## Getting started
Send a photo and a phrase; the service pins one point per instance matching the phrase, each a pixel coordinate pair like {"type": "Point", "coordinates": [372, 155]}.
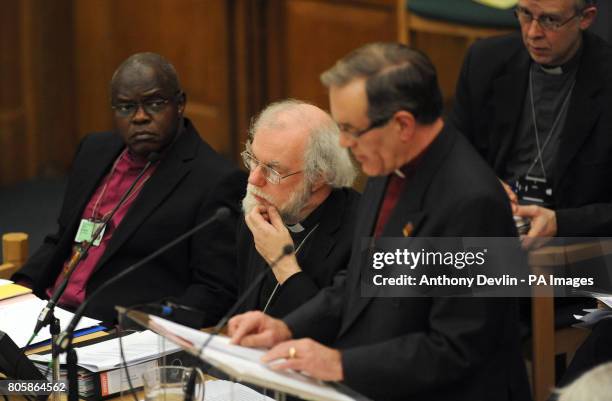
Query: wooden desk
{"type": "Point", "coordinates": [545, 340]}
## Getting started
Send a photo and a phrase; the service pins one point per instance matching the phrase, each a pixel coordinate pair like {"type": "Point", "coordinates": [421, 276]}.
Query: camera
{"type": "Point", "coordinates": [523, 224]}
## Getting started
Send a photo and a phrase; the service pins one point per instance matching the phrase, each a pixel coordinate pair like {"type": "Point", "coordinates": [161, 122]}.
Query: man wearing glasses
{"type": "Point", "coordinates": [145, 184]}
{"type": "Point", "coordinates": [298, 193]}
{"type": "Point", "coordinates": [538, 110]}
{"type": "Point", "coordinates": [425, 180]}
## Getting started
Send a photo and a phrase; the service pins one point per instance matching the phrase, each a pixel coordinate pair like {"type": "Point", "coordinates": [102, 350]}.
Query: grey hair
{"type": "Point", "coordinates": [594, 385]}
{"type": "Point", "coordinates": [323, 157]}
{"type": "Point", "coordinates": [397, 78]}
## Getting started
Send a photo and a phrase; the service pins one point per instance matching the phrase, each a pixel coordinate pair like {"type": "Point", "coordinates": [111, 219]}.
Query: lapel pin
{"type": "Point", "coordinates": [407, 230]}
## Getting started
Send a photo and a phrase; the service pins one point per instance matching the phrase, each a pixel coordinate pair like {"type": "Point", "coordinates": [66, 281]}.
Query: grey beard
{"type": "Point", "coordinates": [291, 212]}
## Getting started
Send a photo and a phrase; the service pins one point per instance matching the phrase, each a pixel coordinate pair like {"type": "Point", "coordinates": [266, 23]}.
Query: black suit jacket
{"type": "Point", "coordinates": [189, 184]}
{"type": "Point", "coordinates": [488, 105]}
{"type": "Point", "coordinates": [327, 254]}
{"type": "Point", "coordinates": [426, 348]}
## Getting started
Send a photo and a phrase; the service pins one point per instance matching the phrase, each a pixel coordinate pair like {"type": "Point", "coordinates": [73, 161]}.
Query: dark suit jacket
{"type": "Point", "coordinates": [489, 100]}
{"type": "Point", "coordinates": [189, 184]}
{"type": "Point", "coordinates": [426, 348]}
{"type": "Point", "coordinates": [327, 253]}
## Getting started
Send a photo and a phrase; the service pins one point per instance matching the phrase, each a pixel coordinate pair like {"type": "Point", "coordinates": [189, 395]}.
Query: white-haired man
{"type": "Point", "coordinates": [298, 193]}
{"type": "Point", "coordinates": [424, 180]}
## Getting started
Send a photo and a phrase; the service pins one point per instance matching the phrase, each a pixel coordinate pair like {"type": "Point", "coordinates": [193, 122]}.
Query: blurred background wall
{"type": "Point", "coordinates": [233, 57]}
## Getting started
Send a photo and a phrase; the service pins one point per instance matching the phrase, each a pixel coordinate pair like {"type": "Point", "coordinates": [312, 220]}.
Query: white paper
{"type": "Point", "coordinates": [223, 390]}
{"type": "Point", "coordinates": [606, 300]}
{"type": "Point", "coordinates": [590, 319]}
{"type": "Point", "coordinates": [197, 338]}
{"type": "Point", "coordinates": [5, 282]}
{"type": "Point", "coordinates": [245, 363]}
{"type": "Point", "coordinates": [18, 318]}
{"type": "Point", "coordinates": [106, 355]}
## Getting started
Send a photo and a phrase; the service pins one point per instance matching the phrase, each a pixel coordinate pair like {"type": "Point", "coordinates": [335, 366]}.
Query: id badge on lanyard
{"type": "Point", "coordinates": [534, 190]}
{"type": "Point", "coordinates": [86, 230]}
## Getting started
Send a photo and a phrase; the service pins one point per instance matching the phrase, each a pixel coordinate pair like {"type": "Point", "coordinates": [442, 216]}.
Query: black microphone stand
{"type": "Point", "coordinates": [190, 388]}
{"type": "Point", "coordinates": [54, 329]}
{"type": "Point", "coordinates": [287, 250]}
{"type": "Point", "coordinates": [47, 315]}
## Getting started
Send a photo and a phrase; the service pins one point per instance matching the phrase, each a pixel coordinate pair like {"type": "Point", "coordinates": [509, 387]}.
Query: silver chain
{"type": "Point", "coordinates": [535, 125]}
{"type": "Point", "coordinates": [297, 250]}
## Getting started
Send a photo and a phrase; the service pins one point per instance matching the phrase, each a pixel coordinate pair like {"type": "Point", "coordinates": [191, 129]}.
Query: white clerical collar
{"type": "Point", "coordinates": [558, 70]}
{"type": "Point", "coordinates": [563, 68]}
{"type": "Point", "coordinates": [295, 228]}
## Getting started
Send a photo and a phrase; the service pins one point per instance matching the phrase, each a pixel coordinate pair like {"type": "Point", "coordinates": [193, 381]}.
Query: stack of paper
{"type": "Point", "coordinates": [9, 290]}
{"type": "Point", "coordinates": [223, 390]}
{"type": "Point", "coordinates": [106, 355]}
{"type": "Point", "coordinates": [101, 373]}
{"type": "Point", "coordinates": [18, 319]}
{"type": "Point", "coordinates": [594, 316]}
{"type": "Point", "coordinates": [245, 363]}
{"type": "Point", "coordinates": [605, 300]}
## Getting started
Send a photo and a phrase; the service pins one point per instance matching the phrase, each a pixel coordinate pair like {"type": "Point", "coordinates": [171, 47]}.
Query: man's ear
{"type": "Point", "coordinates": [317, 184]}
{"type": "Point", "coordinates": [406, 122]}
{"type": "Point", "coordinates": [588, 17]}
{"type": "Point", "coordinates": [181, 102]}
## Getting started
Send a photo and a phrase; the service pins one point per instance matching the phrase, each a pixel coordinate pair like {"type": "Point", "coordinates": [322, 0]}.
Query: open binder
{"type": "Point", "coordinates": [241, 363]}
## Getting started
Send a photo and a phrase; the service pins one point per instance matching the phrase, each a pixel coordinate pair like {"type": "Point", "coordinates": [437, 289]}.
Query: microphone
{"type": "Point", "coordinates": [45, 314]}
{"type": "Point", "coordinates": [287, 250]}
{"type": "Point", "coordinates": [153, 157]}
{"type": "Point", "coordinates": [169, 309]}
{"type": "Point", "coordinates": [65, 337]}
{"type": "Point", "coordinates": [190, 387]}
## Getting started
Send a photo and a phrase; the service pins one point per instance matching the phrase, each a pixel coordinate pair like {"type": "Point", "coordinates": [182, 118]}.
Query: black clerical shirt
{"type": "Point", "coordinates": [550, 89]}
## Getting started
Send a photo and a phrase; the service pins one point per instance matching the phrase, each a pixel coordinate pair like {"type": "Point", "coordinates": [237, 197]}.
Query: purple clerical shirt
{"type": "Point", "coordinates": [105, 198]}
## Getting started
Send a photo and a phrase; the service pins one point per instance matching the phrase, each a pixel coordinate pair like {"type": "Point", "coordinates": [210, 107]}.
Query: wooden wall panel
{"type": "Point", "coordinates": [36, 133]}
{"type": "Point", "coordinates": [233, 57]}
{"type": "Point", "coordinates": [53, 86]}
{"type": "Point", "coordinates": [447, 54]}
{"type": "Point", "coordinates": [289, 43]}
{"type": "Point", "coordinates": [12, 116]}
{"type": "Point", "coordinates": [17, 143]}
{"type": "Point", "coordinates": [201, 47]}
{"type": "Point", "coordinates": [248, 66]}
{"type": "Point", "coordinates": [94, 62]}
{"type": "Point", "coordinates": [316, 34]}
{"type": "Point", "coordinates": [192, 34]}
{"type": "Point", "coordinates": [302, 39]}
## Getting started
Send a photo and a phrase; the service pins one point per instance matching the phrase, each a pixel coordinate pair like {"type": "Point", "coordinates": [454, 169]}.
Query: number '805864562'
{"type": "Point", "coordinates": [36, 387]}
